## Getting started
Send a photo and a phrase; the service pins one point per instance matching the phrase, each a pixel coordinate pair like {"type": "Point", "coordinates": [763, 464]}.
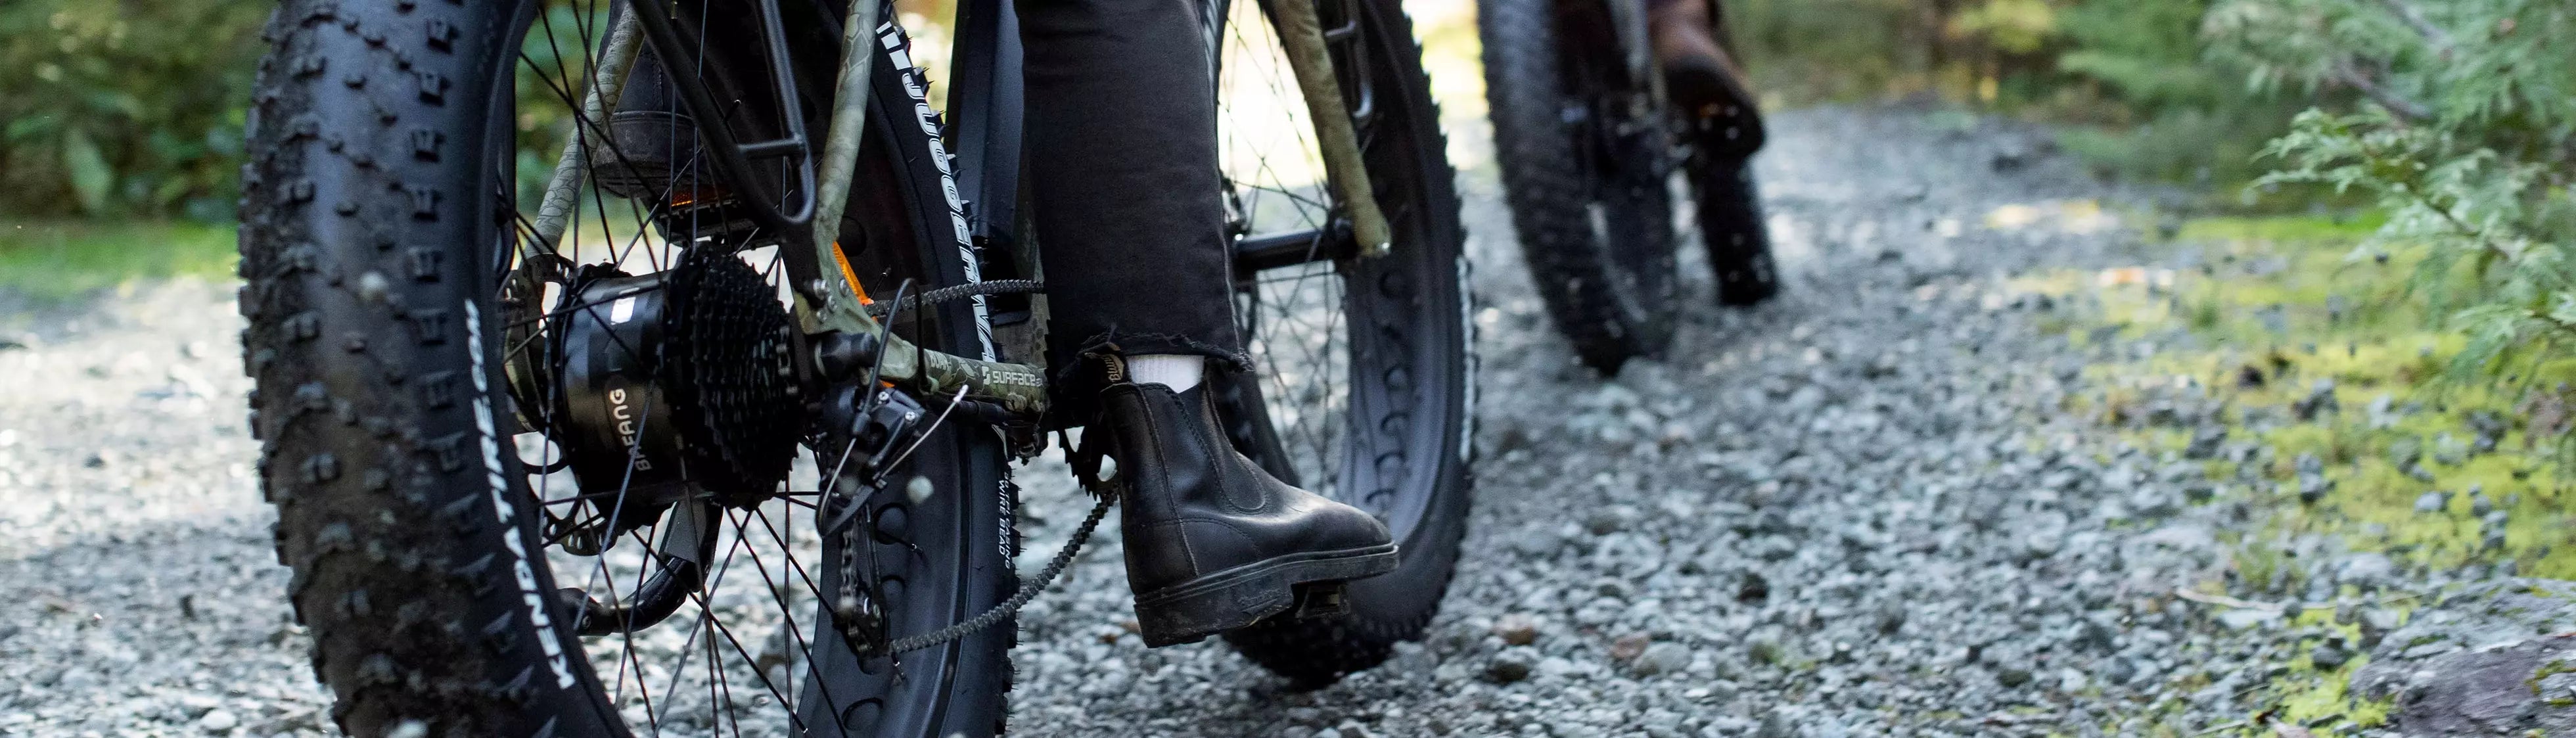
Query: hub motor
{"type": "Point", "coordinates": [673, 383]}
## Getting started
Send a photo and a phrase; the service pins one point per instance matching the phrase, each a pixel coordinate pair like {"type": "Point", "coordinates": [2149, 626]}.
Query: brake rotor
{"type": "Point", "coordinates": [524, 307]}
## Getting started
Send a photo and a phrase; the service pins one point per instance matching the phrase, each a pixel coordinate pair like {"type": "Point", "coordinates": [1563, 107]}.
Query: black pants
{"type": "Point", "coordinates": [1123, 173]}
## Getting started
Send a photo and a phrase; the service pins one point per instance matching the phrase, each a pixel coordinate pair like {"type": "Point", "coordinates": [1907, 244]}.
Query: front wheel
{"type": "Point", "coordinates": [1585, 156]}
{"type": "Point", "coordinates": [1365, 385]}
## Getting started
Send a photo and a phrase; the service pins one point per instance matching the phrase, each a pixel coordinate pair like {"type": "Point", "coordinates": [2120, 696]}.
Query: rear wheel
{"type": "Point", "coordinates": [1730, 222]}
{"type": "Point", "coordinates": [431, 496]}
{"type": "Point", "coordinates": [1364, 391]}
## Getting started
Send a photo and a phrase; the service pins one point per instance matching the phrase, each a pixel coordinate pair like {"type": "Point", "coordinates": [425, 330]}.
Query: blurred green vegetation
{"type": "Point", "coordinates": [124, 108]}
{"type": "Point", "coordinates": [2188, 91]}
{"type": "Point", "coordinates": [2135, 85]}
{"type": "Point", "coordinates": [2467, 140]}
{"type": "Point", "coordinates": [2453, 122]}
{"type": "Point", "coordinates": [134, 109]}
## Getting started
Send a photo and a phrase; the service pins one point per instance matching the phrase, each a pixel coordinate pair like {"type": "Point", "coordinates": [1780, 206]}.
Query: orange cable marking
{"type": "Point", "coordinates": [850, 274]}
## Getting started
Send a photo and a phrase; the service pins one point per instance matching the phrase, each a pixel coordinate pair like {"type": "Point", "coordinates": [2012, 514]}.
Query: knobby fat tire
{"type": "Point", "coordinates": [372, 340]}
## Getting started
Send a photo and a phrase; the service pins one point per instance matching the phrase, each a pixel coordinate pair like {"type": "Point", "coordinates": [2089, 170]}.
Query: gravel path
{"type": "Point", "coordinates": [1851, 512]}
{"type": "Point", "coordinates": [1856, 511]}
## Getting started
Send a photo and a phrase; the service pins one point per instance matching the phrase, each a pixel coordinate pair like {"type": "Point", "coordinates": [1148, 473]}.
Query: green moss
{"type": "Point", "coordinates": [2308, 695]}
{"type": "Point", "coordinates": [2284, 301]}
{"type": "Point", "coordinates": [2268, 309]}
{"type": "Point", "coordinates": [56, 261]}
{"type": "Point", "coordinates": [2553, 668]}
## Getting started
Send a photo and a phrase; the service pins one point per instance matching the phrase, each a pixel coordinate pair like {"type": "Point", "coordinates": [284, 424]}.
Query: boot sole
{"type": "Point", "coordinates": [1192, 610]}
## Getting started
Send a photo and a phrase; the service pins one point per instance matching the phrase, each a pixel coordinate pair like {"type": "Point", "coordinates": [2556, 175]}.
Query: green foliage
{"type": "Point", "coordinates": [123, 108]}
{"type": "Point", "coordinates": [2491, 229]}
{"type": "Point", "coordinates": [2467, 141]}
{"type": "Point", "coordinates": [2162, 109]}
{"type": "Point", "coordinates": [2134, 82]}
{"type": "Point", "coordinates": [1813, 50]}
{"type": "Point", "coordinates": [553, 74]}
{"type": "Point", "coordinates": [2504, 67]}
{"type": "Point", "coordinates": [135, 109]}
{"type": "Point", "coordinates": [2010, 26]}
{"type": "Point", "coordinates": [2142, 51]}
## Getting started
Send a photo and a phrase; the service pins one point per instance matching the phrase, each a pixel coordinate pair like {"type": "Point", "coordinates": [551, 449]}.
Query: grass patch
{"type": "Point", "coordinates": [2280, 229]}
{"type": "Point", "coordinates": [54, 261]}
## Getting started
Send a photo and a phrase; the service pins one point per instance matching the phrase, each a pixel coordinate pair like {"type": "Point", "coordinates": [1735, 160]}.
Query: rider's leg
{"type": "Point", "coordinates": [1123, 174]}
{"type": "Point", "coordinates": [1122, 165]}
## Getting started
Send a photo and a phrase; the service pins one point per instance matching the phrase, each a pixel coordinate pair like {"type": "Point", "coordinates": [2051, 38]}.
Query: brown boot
{"type": "Point", "coordinates": [1700, 79]}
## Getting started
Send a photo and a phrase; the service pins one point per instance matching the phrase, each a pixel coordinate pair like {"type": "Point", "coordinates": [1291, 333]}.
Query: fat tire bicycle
{"type": "Point", "coordinates": [1589, 151]}
{"type": "Point", "coordinates": [734, 457]}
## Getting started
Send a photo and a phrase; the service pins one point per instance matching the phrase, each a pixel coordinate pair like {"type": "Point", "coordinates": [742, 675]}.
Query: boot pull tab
{"type": "Point", "coordinates": [1113, 368]}
{"type": "Point", "coordinates": [1087, 458]}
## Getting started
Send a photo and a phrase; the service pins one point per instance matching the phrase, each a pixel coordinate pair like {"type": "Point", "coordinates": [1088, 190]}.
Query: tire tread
{"type": "Point", "coordinates": [1316, 652]}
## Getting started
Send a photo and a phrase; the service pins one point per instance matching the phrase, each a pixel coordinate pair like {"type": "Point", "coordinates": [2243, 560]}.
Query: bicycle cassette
{"type": "Point", "coordinates": [674, 381]}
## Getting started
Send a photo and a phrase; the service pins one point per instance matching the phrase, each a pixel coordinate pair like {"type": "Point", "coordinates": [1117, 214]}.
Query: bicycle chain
{"type": "Point", "coordinates": [945, 294]}
{"type": "Point", "coordinates": [1029, 591]}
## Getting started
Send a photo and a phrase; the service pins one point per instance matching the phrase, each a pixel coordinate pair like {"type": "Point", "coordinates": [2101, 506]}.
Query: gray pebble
{"type": "Point", "coordinates": [1777, 724]}
{"type": "Point", "coordinates": [1511, 665]}
{"type": "Point", "coordinates": [2012, 678]}
{"type": "Point", "coordinates": [1662, 658]}
{"type": "Point", "coordinates": [218, 721]}
{"type": "Point", "coordinates": [1891, 616]}
{"type": "Point", "coordinates": [2329, 655]}
{"type": "Point", "coordinates": [2432, 502]}
{"type": "Point", "coordinates": [2118, 671]}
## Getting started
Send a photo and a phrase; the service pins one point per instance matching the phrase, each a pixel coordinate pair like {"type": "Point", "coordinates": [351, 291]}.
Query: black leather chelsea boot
{"type": "Point", "coordinates": [1214, 542]}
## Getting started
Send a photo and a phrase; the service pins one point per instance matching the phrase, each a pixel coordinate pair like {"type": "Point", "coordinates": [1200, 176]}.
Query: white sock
{"type": "Point", "coordinates": [1177, 371]}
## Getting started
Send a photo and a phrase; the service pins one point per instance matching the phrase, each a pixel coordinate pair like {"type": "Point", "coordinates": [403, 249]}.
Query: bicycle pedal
{"type": "Point", "coordinates": [1322, 600]}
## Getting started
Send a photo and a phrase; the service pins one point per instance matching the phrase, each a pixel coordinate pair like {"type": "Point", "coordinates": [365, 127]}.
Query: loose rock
{"type": "Point", "coordinates": [1662, 658]}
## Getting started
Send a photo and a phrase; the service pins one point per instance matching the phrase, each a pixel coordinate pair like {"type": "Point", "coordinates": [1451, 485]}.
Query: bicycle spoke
{"type": "Point", "coordinates": [1290, 313]}
{"type": "Point", "coordinates": [657, 676]}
